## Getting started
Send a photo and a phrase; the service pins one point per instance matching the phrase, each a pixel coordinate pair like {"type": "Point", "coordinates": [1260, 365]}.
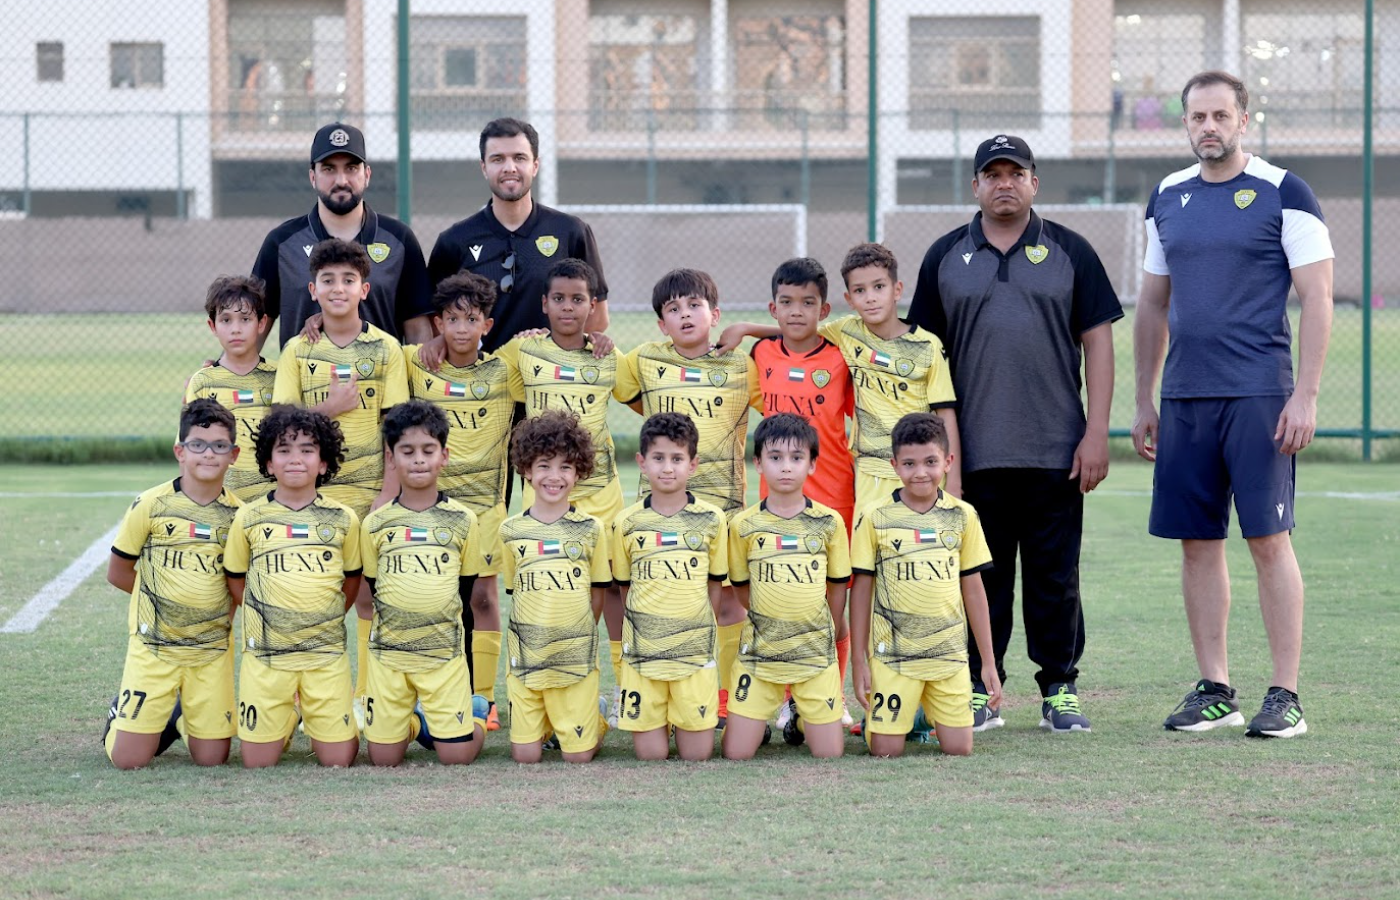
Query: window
{"type": "Point", "coordinates": [790, 71]}
{"type": "Point", "coordinates": [138, 65]}
{"type": "Point", "coordinates": [644, 71]}
{"type": "Point", "coordinates": [978, 72]}
{"type": "Point", "coordinates": [1303, 69]}
{"type": "Point", "coordinates": [287, 62]}
{"type": "Point", "coordinates": [48, 57]}
{"type": "Point", "coordinates": [1157, 46]}
{"type": "Point", "coordinates": [466, 69]}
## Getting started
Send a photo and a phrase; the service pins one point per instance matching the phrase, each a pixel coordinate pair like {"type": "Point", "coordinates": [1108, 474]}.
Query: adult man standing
{"type": "Point", "coordinates": [400, 296]}
{"type": "Point", "coordinates": [513, 240]}
{"type": "Point", "coordinates": [1015, 299]}
{"type": "Point", "coordinates": [1226, 239]}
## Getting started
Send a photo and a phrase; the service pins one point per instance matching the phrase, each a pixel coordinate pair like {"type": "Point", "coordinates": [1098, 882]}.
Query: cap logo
{"type": "Point", "coordinates": [999, 139]}
{"type": "Point", "coordinates": [339, 138]}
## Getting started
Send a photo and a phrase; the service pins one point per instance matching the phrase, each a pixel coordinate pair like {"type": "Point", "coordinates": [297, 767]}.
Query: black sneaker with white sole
{"type": "Point", "coordinates": [1281, 716]}
{"type": "Point", "coordinates": [984, 717]}
{"type": "Point", "coordinates": [1060, 712]}
{"type": "Point", "coordinates": [1209, 705]}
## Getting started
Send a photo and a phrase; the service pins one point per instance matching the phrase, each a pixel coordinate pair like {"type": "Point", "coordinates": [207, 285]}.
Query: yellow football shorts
{"type": "Point", "coordinates": [819, 698]}
{"type": "Point", "coordinates": [690, 704]}
{"type": "Point", "coordinates": [445, 694]}
{"type": "Point", "coordinates": [872, 490]}
{"type": "Point", "coordinates": [488, 529]}
{"type": "Point", "coordinates": [894, 697]}
{"type": "Point", "coordinates": [150, 686]}
{"type": "Point", "coordinates": [266, 711]}
{"type": "Point", "coordinates": [570, 712]}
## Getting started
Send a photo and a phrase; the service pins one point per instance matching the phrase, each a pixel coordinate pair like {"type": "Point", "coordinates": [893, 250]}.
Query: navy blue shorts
{"type": "Point", "coordinates": [1210, 451]}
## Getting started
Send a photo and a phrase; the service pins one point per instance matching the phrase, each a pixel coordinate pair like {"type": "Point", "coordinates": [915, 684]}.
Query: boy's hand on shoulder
{"type": "Point", "coordinates": [311, 331]}
{"type": "Point", "coordinates": [603, 345]}
{"type": "Point", "coordinates": [432, 353]}
{"type": "Point", "coordinates": [531, 333]}
{"type": "Point", "coordinates": [731, 337]}
{"type": "Point", "coordinates": [992, 681]}
{"type": "Point", "coordinates": [342, 396]}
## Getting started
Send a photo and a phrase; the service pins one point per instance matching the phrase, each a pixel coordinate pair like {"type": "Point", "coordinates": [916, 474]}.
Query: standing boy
{"type": "Point", "coordinates": [168, 555]}
{"type": "Point", "coordinates": [917, 589]}
{"type": "Point", "coordinates": [293, 561]}
{"type": "Point", "coordinates": [555, 569]}
{"type": "Point", "coordinates": [670, 556]}
{"type": "Point", "coordinates": [240, 378]}
{"type": "Point", "coordinates": [684, 374]}
{"type": "Point", "coordinates": [352, 374]}
{"type": "Point", "coordinates": [789, 562]}
{"type": "Point", "coordinates": [473, 388]}
{"type": "Point", "coordinates": [421, 554]}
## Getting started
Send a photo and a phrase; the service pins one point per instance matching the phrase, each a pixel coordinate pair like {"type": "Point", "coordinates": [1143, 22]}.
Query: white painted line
{"type": "Point", "coordinates": [45, 495]}
{"type": "Point", "coordinates": [33, 613]}
{"type": "Point", "coordinates": [1383, 496]}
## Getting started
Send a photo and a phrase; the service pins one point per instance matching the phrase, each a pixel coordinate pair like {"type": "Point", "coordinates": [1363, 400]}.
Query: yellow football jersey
{"type": "Point", "coordinates": [417, 559]}
{"type": "Point", "coordinates": [550, 571]}
{"type": "Point", "coordinates": [546, 376]}
{"type": "Point", "coordinates": [667, 564]}
{"type": "Point", "coordinates": [180, 605]}
{"type": "Point", "coordinates": [305, 373]}
{"type": "Point", "coordinates": [295, 562]}
{"type": "Point", "coordinates": [248, 397]}
{"type": "Point", "coordinates": [786, 564]}
{"type": "Point", "coordinates": [892, 379]}
{"type": "Point", "coordinates": [717, 393]}
{"type": "Point", "coordinates": [479, 407]}
{"type": "Point", "coordinates": [918, 625]}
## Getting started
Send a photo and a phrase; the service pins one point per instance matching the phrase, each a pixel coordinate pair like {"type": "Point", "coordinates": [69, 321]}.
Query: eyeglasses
{"type": "Point", "coordinates": [508, 281]}
{"type": "Point", "coordinates": [198, 446]}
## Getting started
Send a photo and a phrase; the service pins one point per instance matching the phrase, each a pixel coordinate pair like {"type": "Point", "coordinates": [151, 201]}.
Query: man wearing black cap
{"type": "Point", "coordinates": [1016, 299]}
{"type": "Point", "coordinates": [400, 296]}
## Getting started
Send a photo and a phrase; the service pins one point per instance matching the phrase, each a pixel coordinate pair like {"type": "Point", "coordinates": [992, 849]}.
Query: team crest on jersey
{"type": "Point", "coordinates": [589, 374]}
{"type": "Point", "coordinates": [547, 244]}
{"type": "Point", "coordinates": [821, 378]}
{"type": "Point", "coordinates": [694, 540]}
{"type": "Point", "coordinates": [573, 550]}
{"type": "Point", "coordinates": [718, 378]}
{"type": "Point", "coordinates": [813, 542]}
{"type": "Point", "coordinates": [949, 539]}
{"type": "Point", "coordinates": [904, 367]}
{"type": "Point", "coordinates": [365, 367]}
{"type": "Point", "coordinates": [442, 535]}
{"type": "Point", "coordinates": [378, 252]}
{"type": "Point", "coordinates": [1244, 198]}
{"type": "Point", "coordinates": [1037, 254]}
{"type": "Point", "coordinates": [326, 533]}
{"type": "Point", "coordinates": [480, 390]}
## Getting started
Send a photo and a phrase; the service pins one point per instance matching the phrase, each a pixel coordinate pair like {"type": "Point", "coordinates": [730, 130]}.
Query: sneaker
{"type": "Point", "coordinates": [1060, 710]}
{"type": "Point", "coordinates": [1209, 705]}
{"type": "Point", "coordinates": [550, 743]}
{"type": "Point", "coordinates": [767, 735]}
{"type": "Point", "coordinates": [846, 720]}
{"type": "Point", "coordinates": [786, 713]}
{"type": "Point", "coordinates": [493, 719]}
{"type": "Point", "coordinates": [171, 733]}
{"type": "Point", "coordinates": [358, 707]}
{"type": "Point", "coordinates": [792, 735]}
{"type": "Point", "coordinates": [922, 731]}
{"type": "Point", "coordinates": [111, 717]}
{"type": "Point", "coordinates": [984, 716]}
{"type": "Point", "coordinates": [1280, 716]}
{"type": "Point", "coordinates": [858, 728]}
{"type": "Point", "coordinates": [424, 737]}
{"type": "Point", "coordinates": [723, 709]}
{"type": "Point", "coordinates": [615, 710]}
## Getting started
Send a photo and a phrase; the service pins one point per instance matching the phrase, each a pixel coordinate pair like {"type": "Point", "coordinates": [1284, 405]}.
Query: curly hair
{"type": "Point", "coordinates": [572, 267]}
{"type": "Point", "coordinates": [785, 428]}
{"type": "Point", "coordinates": [919, 428]}
{"type": "Point", "coordinates": [335, 252]}
{"type": "Point", "coordinates": [415, 414]}
{"type": "Point", "coordinates": [235, 292]}
{"type": "Point", "coordinates": [675, 427]}
{"type": "Point", "coordinates": [203, 413]}
{"type": "Point", "coordinates": [286, 421]}
{"type": "Point", "coordinates": [553, 432]}
{"type": "Point", "coordinates": [466, 290]}
{"type": "Point", "coordinates": [862, 255]}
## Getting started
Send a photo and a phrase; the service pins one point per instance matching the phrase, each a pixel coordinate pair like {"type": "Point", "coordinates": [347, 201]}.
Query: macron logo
{"type": "Point", "coordinates": [476, 253]}
{"type": "Point", "coordinates": [307, 248]}
{"type": "Point", "coordinates": [1185, 199]}
{"type": "Point", "coordinates": [967, 259]}
{"type": "Point", "coordinates": [1279, 507]}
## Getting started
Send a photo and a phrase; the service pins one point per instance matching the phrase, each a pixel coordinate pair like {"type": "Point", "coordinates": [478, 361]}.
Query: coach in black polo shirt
{"type": "Point", "coordinates": [1015, 299]}
{"type": "Point", "coordinates": [513, 240]}
{"type": "Point", "coordinates": [400, 296]}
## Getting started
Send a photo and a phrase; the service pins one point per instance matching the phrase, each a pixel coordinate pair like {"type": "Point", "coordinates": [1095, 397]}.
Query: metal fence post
{"type": "Point", "coordinates": [1367, 185]}
{"type": "Point", "coordinates": [181, 211]}
{"type": "Point", "coordinates": [405, 173]}
{"type": "Point", "coordinates": [872, 131]}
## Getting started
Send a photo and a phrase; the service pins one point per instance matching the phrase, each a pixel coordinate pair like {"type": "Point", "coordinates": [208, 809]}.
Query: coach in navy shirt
{"type": "Point", "coordinates": [1226, 239]}
{"type": "Point", "coordinates": [1018, 302]}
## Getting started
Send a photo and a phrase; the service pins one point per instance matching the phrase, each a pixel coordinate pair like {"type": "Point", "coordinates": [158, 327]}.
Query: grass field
{"type": "Point", "coordinates": [1128, 810]}
{"type": "Point", "coordinates": [106, 375]}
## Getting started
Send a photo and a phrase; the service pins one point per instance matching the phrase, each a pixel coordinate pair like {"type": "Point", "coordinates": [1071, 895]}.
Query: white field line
{"type": "Point", "coordinates": [1382, 496]}
{"type": "Point", "coordinates": [46, 495]}
{"type": "Point", "coordinates": [33, 613]}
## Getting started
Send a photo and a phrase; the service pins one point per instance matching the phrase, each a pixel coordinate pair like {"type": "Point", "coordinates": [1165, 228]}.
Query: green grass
{"type": "Point", "coordinates": [1126, 811]}
{"type": "Point", "coordinates": [107, 375]}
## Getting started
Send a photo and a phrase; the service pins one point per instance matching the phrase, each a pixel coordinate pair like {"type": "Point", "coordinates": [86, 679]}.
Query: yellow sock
{"type": "Point", "coordinates": [486, 656]}
{"type": "Point", "coordinates": [362, 656]}
{"type": "Point", "coordinates": [615, 651]}
{"type": "Point", "coordinates": [728, 652]}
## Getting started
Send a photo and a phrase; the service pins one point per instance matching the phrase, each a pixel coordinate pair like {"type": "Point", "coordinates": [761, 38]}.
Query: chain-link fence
{"type": "Point", "coordinates": [145, 150]}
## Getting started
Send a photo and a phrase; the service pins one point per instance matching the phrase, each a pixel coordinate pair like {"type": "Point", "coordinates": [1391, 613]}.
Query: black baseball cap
{"type": "Point", "coordinates": [1005, 146]}
{"type": "Point", "coordinates": [338, 137]}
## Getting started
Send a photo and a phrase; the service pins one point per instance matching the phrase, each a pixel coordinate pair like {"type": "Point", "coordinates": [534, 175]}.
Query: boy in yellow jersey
{"type": "Point", "coordinates": [670, 556]}
{"type": "Point", "coordinates": [896, 369]}
{"type": "Point", "coordinates": [917, 589]}
{"type": "Point", "coordinates": [473, 388]}
{"type": "Point", "coordinates": [790, 563]}
{"type": "Point", "coordinates": [684, 374]}
{"type": "Point", "coordinates": [555, 568]}
{"type": "Point", "coordinates": [352, 373]}
{"type": "Point", "coordinates": [168, 555]}
{"type": "Point", "coordinates": [564, 369]}
{"type": "Point", "coordinates": [293, 562]}
{"type": "Point", "coordinates": [421, 553]}
{"type": "Point", "coordinates": [239, 379]}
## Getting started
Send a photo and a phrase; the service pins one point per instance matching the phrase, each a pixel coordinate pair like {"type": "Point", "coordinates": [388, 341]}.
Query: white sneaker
{"type": "Point", "coordinates": [785, 714]}
{"type": "Point", "coordinates": [846, 720]}
{"type": "Point", "coordinates": [615, 710]}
